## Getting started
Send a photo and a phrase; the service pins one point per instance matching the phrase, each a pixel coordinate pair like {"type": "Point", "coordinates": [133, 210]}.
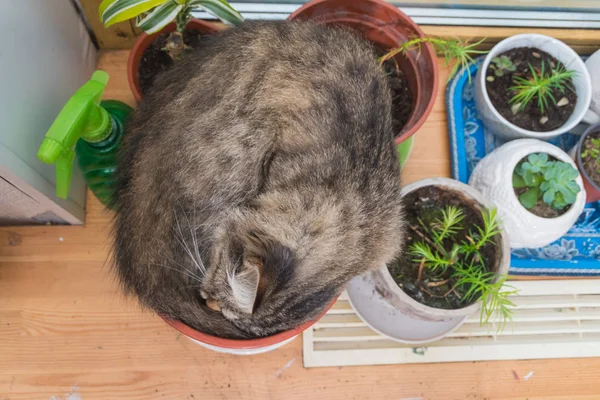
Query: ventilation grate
{"type": "Point", "coordinates": [552, 319]}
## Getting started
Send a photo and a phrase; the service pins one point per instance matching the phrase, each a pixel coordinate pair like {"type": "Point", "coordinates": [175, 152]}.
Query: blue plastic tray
{"type": "Point", "coordinates": [576, 253]}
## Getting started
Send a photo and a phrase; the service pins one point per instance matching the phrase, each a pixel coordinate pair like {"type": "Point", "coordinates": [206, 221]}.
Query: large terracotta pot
{"type": "Point", "coordinates": [144, 40]}
{"type": "Point", "coordinates": [385, 26]}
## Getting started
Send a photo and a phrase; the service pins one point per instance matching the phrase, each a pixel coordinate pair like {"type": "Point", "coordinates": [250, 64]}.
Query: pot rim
{"type": "Point", "coordinates": [591, 129]}
{"type": "Point", "coordinates": [244, 344]}
{"type": "Point", "coordinates": [503, 264]}
{"type": "Point", "coordinates": [392, 34]}
{"type": "Point", "coordinates": [143, 42]}
{"type": "Point", "coordinates": [582, 71]}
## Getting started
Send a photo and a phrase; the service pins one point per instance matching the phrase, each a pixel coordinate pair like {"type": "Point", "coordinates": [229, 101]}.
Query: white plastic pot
{"type": "Point", "coordinates": [493, 178]}
{"type": "Point", "coordinates": [397, 298]}
{"type": "Point", "coordinates": [506, 130]}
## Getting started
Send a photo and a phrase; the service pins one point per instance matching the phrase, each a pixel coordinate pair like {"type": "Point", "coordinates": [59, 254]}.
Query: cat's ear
{"type": "Point", "coordinates": [244, 285]}
{"type": "Point", "coordinates": [267, 267]}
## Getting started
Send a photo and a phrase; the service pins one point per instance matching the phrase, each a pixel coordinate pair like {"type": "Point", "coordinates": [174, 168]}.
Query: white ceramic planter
{"type": "Point", "coordinates": [493, 178]}
{"type": "Point", "coordinates": [506, 130]}
{"type": "Point", "coordinates": [402, 302]}
{"type": "Point", "coordinates": [593, 66]}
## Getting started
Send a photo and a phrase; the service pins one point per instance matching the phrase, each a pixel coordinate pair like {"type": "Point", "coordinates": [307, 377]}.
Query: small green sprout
{"type": "Point", "coordinates": [593, 152]}
{"type": "Point", "coordinates": [501, 65]}
{"type": "Point", "coordinates": [553, 182]}
{"type": "Point", "coordinates": [450, 49]}
{"type": "Point", "coordinates": [460, 261]}
{"type": "Point", "coordinates": [540, 85]}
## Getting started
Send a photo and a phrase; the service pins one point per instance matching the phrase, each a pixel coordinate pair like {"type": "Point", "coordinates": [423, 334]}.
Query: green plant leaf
{"type": "Point", "coordinates": [573, 187]}
{"type": "Point", "coordinates": [568, 196]}
{"type": "Point", "coordinates": [559, 201]}
{"type": "Point", "coordinates": [545, 186]}
{"type": "Point", "coordinates": [540, 85]}
{"type": "Point", "coordinates": [536, 162]}
{"type": "Point", "coordinates": [559, 187]}
{"type": "Point", "coordinates": [549, 196]}
{"type": "Point", "coordinates": [570, 173]}
{"type": "Point", "coordinates": [529, 198]}
{"type": "Point", "coordinates": [160, 17]}
{"type": "Point", "coordinates": [517, 181]}
{"type": "Point", "coordinates": [449, 224]}
{"type": "Point", "coordinates": [220, 9]}
{"type": "Point", "coordinates": [458, 50]}
{"type": "Point", "coordinates": [532, 179]}
{"type": "Point", "coordinates": [113, 11]}
{"type": "Point", "coordinates": [103, 5]}
{"type": "Point", "coordinates": [464, 263]}
{"type": "Point", "coordinates": [502, 64]}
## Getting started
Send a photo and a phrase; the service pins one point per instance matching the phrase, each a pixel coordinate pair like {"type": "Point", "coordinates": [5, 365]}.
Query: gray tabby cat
{"type": "Point", "coordinates": [257, 178]}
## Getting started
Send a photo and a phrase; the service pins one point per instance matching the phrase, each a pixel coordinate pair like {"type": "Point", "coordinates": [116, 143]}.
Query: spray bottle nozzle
{"type": "Point", "coordinates": [82, 117]}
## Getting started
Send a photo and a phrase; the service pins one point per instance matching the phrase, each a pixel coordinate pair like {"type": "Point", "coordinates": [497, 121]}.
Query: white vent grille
{"type": "Point", "coordinates": [552, 319]}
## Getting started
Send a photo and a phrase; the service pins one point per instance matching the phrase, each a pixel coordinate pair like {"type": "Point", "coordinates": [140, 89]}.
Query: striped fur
{"type": "Point", "coordinates": [259, 174]}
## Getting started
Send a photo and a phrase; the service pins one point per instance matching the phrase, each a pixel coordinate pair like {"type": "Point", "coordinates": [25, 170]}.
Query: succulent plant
{"type": "Point", "coordinates": [553, 182]}
{"type": "Point", "coordinates": [559, 188]}
{"type": "Point", "coordinates": [501, 65]}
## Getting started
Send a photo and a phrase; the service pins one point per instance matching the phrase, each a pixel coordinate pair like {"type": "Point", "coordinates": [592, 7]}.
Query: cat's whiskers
{"type": "Point", "coordinates": [184, 268]}
{"type": "Point", "coordinates": [184, 272]}
{"type": "Point", "coordinates": [195, 241]}
{"type": "Point", "coordinates": [181, 239]}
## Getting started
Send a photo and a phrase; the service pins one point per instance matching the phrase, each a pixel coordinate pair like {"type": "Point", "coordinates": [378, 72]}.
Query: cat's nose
{"type": "Point", "coordinates": [213, 305]}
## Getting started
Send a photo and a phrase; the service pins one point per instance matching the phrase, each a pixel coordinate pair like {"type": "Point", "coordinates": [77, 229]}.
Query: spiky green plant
{"type": "Point", "coordinates": [446, 254]}
{"type": "Point", "coordinates": [553, 182]}
{"type": "Point", "coordinates": [540, 85]}
{"type": "Point", "coordinates": [450, 49]}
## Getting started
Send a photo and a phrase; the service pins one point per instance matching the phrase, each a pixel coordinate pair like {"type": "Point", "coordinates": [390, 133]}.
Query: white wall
{"type": "Point", "coordinates": [45, 56]}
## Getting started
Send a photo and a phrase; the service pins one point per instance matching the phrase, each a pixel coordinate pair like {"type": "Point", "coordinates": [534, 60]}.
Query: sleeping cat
{"type": "Point", "coordinates": [259, 175]}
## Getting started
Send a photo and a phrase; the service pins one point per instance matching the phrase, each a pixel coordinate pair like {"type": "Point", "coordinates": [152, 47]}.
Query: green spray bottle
{"type": "Point", "coordinates": [100, 125]}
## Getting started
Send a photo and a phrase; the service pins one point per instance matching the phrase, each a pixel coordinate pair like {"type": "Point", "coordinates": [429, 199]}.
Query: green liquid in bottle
{"type": "Point", "coordinates": [98, 161]}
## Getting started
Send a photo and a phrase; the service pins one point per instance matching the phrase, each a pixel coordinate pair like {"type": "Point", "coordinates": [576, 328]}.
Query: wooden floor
{"type": "Point", "coordinates": [66, 329]}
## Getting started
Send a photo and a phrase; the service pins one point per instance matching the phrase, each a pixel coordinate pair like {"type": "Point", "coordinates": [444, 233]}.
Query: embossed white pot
{"type": "Point", "coordinates": [395, 296]}
{"type": "Point", "coordinates": [493, 178]}
{"type": "Point", "coordinates": [506, 130]}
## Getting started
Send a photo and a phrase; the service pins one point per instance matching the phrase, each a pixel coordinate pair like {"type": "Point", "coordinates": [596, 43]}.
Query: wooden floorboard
{"type": "Point", "coordinates": [65, 327]}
